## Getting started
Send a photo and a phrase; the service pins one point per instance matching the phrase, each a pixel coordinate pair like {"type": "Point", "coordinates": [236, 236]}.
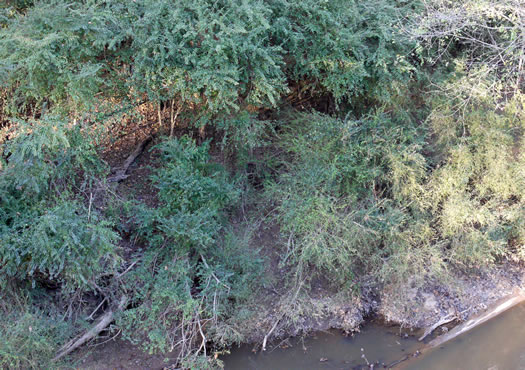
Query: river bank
{"type": "Point", "coordinates": [412, 309]}
{"type": "Point", "coordinates": [410, 306]}
{"type": "Point", "coordinates": [498, 343]}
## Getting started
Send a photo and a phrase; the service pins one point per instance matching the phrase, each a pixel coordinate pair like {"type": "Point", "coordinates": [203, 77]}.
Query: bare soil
{"type": "Point", "coordinates": [118, 354]}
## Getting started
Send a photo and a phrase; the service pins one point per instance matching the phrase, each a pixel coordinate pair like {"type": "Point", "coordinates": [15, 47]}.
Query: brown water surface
{"type": "Point", "coordinates": [327, 350]}
{"type": "Point", "coordinates": [498, 344]}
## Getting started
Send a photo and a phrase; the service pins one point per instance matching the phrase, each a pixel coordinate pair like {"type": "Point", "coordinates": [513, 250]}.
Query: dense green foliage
{"type": "Point", "coordinates": [311, 142]}
{"type": "Point", "coordinates": [30, 335]}
{"type": "Point", "coordinates": [359, 197]}
{"type": "Point", "coordinates": [341, 198]}
{"type": "Point", "coordinates": [221, 54]}
{"type": "Point", "coordinates": [45, 231]}
{"type": "Point", "coordinates": [188, 271]}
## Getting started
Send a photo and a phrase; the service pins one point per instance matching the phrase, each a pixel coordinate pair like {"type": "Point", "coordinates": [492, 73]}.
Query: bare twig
{"type": "Point", "coordinates": [127, 270]}
{"type": "Point", "coordinates": [213, 274]}
{"type": "Point", "coordinates": [159, 112]}
{"type": "Point", "coordinates": [203, 344]}
{"type": "Point", "coordinates": [90, 204]}
{"type": "Point", "coordinates": [173, 117]}
{"type": "Point", "coordinates": [96, 309]}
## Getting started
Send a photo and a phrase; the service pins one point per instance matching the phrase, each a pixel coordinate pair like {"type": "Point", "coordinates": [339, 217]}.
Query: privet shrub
{"type": "Point", "coordinates": [338, 202]}
{"type": "Point", "coordinates": [189, 275]}
{"type": "Point", "coordinates": [217, 55]}
{"type": "Point", "coordinates": [44, 231]}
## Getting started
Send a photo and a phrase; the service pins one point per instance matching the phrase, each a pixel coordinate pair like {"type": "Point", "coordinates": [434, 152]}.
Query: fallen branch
{"type": "Point", "coordinates": [127, 270]}
{"type": "Point", "coordinates": [120, 174]}
{"type": "Point", "coordinates": [501, 306]}
{"type": "Point", "coordinates": [90, 317]}
{"type": "Point", "coordinates": [102, 323]}
{"type": "Point", "coordinates": [442, 321]}
{"type": "Point", "coordinates": [269, 333]}
{"type": "Point", "coordinates": [280, 318]}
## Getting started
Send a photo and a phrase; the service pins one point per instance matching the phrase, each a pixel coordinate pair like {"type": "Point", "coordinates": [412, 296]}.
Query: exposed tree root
{"type": "Point", "coordinates": [101, 324]}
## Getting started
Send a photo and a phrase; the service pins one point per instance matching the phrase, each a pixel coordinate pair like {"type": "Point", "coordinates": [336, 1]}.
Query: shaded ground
{"type": "Point", "coordinates": [119, 354]}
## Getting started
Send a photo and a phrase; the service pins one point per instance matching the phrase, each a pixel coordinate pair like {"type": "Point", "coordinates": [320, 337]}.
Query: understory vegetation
{"type": "Point", "coordinates": [379, 141]}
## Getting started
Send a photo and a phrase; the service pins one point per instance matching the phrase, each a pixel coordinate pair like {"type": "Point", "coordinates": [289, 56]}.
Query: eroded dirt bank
{"type": "Point", "coordinates": [410, 306]}
{"type": "Point", "coordinates": [415, 308]}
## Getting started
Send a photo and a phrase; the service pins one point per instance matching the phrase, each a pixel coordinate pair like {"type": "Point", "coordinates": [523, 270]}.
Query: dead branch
{"type": "Point", "coordinates": [213, 274]}
{"type": "Point", "coordinates": [280, 318]}
{"type": "Point", "coordinates": [270, 333]}
{"type": "Point", "coordinates": [120, 174]}
{"type": "Point", "coordinates": [203, 343]}
{"type": "Point", "coordinates": [102, 323]}
{"type": "Point", "coordinates": [442, 321]}
{"type": "Point", "coordinates": [96, 309]}
{"type": "Point", "coordinates": [127, 270]}
{"type": "Point", "coordinates": [174, 117]}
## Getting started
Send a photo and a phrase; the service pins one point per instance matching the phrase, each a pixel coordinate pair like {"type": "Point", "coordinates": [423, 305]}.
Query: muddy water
{"type": "Point", "coordinates": [327, 350]}
{"type": "Point", "coordinates": [498, 344]}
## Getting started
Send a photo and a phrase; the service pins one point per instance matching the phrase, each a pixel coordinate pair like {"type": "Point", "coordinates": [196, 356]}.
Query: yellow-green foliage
{"type": "Point", "coordinates": [476, 192]}
{"type": "Point", "coordinates": [349, 197]}
{"type": "Point", "coordinates": [359, 197]}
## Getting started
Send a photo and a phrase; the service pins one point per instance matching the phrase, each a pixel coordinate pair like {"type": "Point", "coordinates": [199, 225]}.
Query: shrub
{"type": "Point", "coordinates": [485, 34]}
{"type": "Point", "coordinates": [348, 49]}
{"type": "Point", "coordinates": [31, 330]}
{"type": "Point", "coordinates": [229, 53]}
{"type": "Point", "coordinates": [29, 340]}
{"type": "Point", "coordinates": [476, 192]}
{"type": "Point", "coordinates": [211, 52]}
{"type": "Point", "coordinates": [51, 54]}
{"type": "Point", "coordinates": [341, 202]}
{"type": "Point", "coordinates": [220, 56]}
{"type": "Point", "coordinates": [62, 242]}
{"type": "Point", "coordinates": [44, 231]}
{"type": "Point", "coordinates": [188, 275]}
